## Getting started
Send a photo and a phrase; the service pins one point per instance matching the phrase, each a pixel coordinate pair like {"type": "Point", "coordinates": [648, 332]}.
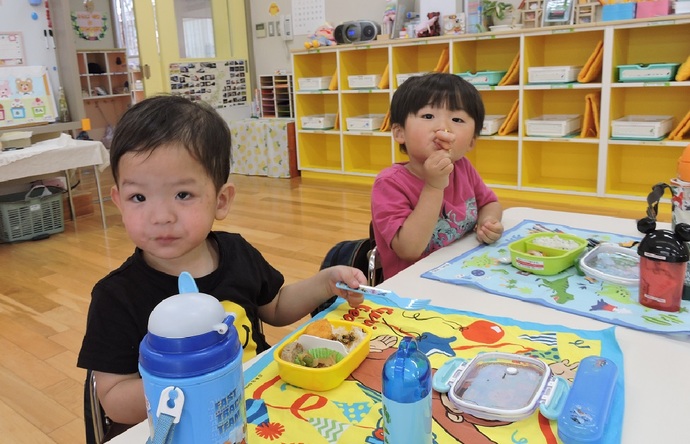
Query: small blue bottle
{"type": "Point", "coordinates": [407, 396]}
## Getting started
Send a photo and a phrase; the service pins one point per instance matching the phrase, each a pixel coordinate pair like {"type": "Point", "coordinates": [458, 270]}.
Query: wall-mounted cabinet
{"type": "Point", "coordinates": [596, 169]}
{"type": "Point", "coordinates": [105, 87]}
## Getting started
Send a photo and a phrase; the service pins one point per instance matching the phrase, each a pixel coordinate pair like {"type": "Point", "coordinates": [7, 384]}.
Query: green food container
{"type": "Point", "coordinates": [528, 255]}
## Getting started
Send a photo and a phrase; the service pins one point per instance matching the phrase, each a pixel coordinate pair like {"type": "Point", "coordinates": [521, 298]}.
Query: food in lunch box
{"type": "Point", "coordinates": [556, 242]}
{"type": "Point", "coordinates": [322, 356]}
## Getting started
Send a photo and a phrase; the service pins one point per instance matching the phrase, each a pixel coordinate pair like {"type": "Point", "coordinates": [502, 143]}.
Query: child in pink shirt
{"type": "Point", "coordinates": [437, 197]}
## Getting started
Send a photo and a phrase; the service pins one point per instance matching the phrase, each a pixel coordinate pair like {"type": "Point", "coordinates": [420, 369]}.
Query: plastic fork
{"type": "Point", "coordinates": [406, 303]}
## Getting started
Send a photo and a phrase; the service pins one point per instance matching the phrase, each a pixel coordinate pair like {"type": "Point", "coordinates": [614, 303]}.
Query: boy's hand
{"type": "Point", "coordinates": [490, 230]}
{"type": "Point", "coordinates": [353, 277]}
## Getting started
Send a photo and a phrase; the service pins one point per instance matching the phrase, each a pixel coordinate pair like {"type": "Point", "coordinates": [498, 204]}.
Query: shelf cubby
{"type": "Point", "coordinates": [560, 166]}
{"type": "Point", "coordinates": [634, 168]}
{"type": "Point", "coordinates": [484, 156]}
{"type": "Point", "coordinates": [367, 155]}
{"type": "Point", "coordinates": [319, 151]}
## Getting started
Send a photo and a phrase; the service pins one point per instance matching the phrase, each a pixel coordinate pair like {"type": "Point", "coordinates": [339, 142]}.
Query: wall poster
{"type": "Point", "coordinates": [11, 49]}
{"type": "Point", "coordinates": [25, 96]}
{"type": "Point", "coordinates": [221, 84]}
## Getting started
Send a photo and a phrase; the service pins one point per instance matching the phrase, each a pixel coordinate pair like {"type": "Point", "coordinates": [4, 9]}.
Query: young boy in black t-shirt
{"type": "Point", "coordinates": [170, 159]}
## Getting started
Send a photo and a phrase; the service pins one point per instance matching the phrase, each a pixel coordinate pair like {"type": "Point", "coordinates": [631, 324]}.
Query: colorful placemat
{"type": "Point", "coordinates": [567, 291]}
{"type": "Point", "coordinates": [351, 413]}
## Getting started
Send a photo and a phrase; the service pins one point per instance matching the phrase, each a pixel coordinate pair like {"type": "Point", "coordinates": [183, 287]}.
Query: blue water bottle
{"type": "Point", "coordinates": [407, 396]}
{"type": "Point", "coordinates": [191, 364]}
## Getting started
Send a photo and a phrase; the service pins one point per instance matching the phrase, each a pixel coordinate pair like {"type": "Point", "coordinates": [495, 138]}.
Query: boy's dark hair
{"type": "Point", "coordinates": [175, 120]}
{"type": "Point", "coordinates": [438, 89]}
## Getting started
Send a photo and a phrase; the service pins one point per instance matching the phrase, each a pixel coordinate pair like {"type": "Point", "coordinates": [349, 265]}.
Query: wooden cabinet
{"type": "Point", "coordinates": [595, 171]}
{"type": "Point", "coordinates": [105, 87]}
{"type": "Point", "coordinates": [275, 92]}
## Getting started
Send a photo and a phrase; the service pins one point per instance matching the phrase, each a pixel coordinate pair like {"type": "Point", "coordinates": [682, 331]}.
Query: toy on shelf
{"type": "Point", "coordinates": [323, 36]}
{"type": "Point", "coordinates": [388, 18]}
{"type": "Point", "coordinates": [531, 11]}
{"type": "Point", "coordinates": [429, 27]}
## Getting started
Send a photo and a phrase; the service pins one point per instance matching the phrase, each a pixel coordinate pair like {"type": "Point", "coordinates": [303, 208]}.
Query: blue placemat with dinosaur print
{"type": "Point", "coordinates": [567, 291]}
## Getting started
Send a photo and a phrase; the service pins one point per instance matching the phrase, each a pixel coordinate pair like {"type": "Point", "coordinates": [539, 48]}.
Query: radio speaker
{"type": "Point", "coordinates": [356, 31]}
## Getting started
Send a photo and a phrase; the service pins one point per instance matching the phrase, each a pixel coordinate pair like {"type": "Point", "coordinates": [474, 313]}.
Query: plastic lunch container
{"type": "Point", "coordinates": [551, 260]}
{"type": "Point", "coordinates": [321, 379]}
{"type": "Point", "coordinates": [612, 263]}
{"type": "Point", "coordinates": [502, 386]}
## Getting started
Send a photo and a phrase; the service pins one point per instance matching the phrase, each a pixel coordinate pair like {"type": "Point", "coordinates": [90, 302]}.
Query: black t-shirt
{"type": "Point", "coordinates": [122, 302]}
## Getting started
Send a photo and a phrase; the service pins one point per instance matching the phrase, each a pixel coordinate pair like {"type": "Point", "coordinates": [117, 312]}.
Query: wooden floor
{"type": "Point", "coordinates": [45, 288]}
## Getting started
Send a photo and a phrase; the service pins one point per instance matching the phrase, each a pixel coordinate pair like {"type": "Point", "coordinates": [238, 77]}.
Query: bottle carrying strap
{"type": "Point", "coordinates": [169, 412]}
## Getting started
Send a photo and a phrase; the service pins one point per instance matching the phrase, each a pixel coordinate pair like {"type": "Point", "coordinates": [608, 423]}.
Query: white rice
{"type": "Point", "coordinates": [357, 332]}
{"type": "Point", "coordinates": [555, 242]}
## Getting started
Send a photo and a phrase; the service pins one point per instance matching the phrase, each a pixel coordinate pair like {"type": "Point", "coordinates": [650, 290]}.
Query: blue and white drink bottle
{"type": "Point", "coordinates": [407, 396]}
{"type": "Point", "coordinates": [191, 364]}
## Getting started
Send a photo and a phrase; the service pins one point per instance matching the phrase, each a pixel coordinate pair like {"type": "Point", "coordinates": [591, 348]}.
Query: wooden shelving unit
{"type": "Point", "coordinates": [275, 92]}
{"type": "Point", "coordinates": [105, 87]}
{"type": "Point", "coordinates": [593, 170]}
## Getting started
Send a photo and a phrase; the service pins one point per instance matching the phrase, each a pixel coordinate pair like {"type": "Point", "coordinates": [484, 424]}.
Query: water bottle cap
{"type": "Point", "coordinates": [187, 314]}
{"type": "Point", "coordinates": [407, 373]}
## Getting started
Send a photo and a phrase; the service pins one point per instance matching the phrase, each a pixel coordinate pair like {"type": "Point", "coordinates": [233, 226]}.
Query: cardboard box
{"type": "Point", "coordinates": [15, 139]}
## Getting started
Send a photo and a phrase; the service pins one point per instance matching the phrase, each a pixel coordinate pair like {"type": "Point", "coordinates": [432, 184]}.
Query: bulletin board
{"type": "Point", "coordinates": [26, 97]}
{"type": "Point", "coordinates": [12, 49]}
{"type": "Point", "coordinates": [221, 84]}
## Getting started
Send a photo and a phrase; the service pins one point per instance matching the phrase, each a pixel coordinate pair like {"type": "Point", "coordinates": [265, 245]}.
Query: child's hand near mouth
{"type": "Point", "coordinates": [444, 139]}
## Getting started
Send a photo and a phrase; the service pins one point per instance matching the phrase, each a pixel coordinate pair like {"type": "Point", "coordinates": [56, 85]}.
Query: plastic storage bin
{"type": "Point", "coordinates": [641, 127]}
{"type": "Point", "coordinates": [365, 122]}
{"type": "Point", "coordinates": [618, 11]}
{"type": "Point", "coordinates": [314, 83]}
{"type": "Point", "coordinates": [483, 77]}
{"type": "Point", "coordinates": [404, 76]}
{"type": "Point", "coordinates": [31, 215]}
{"type": "Point", "coordinates": [554, 125]}
{"type": "Point", "coordinates": [367, 81]}
{"type": "Point", "coordinates": [653, 72]}
{"type": "Point", "coordinates": [492, 123]}
{"type": "Point", "coordinates": [553, 74]}
{"type": "Point", "coordinates": [318, 121]}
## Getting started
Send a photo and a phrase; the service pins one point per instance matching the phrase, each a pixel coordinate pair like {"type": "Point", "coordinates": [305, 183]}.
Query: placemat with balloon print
{"type": "Point", "coordinates": [567, 291]}
{"type": "Point", "coordinates": [351, 413]}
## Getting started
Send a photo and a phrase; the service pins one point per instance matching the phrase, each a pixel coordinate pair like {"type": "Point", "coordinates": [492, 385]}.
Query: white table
{"type": "Point", "coordinates": [657, 367]}
{"type": "Point", "coordinates": [60, 154]}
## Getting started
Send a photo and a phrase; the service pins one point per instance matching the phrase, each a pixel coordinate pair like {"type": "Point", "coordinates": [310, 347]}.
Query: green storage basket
{"type": "Point", "coordinates": [33, 215]}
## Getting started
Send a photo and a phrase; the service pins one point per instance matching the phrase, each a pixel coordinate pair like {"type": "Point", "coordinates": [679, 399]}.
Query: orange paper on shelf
{"type": "Point", "coordinates": [683, 73]}
{"type": "Point", "coordinates": [86, 124]}
{"type": "Point", "coordinates": [681, 129]}
{"type": "Point", "coordinates": [511, 123]}
{"type": "Point", "coordinates": [384, 83]}
{"type": "Point", "coordinates": [592, 68]}
{"type": "Point", "coordinates": [386, 124]}
{"type": "Point", "coordinates": [512, 76]}
{"type": "Point", "coordinates": [336, 121]}
{"type": "Point", "coordinates": [443, 61]}
{"type": "Point", "coordinates": [590, 121]}
{"type": "Point", "coordinates": [333, 86]}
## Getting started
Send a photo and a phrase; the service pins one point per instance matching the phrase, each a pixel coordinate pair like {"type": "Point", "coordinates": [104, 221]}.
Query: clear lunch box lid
{"type": "Point", "coordinates": [502, 386]}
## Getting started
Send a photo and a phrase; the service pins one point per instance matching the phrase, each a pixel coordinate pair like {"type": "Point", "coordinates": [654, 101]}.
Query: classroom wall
{"type": "Point", "coordinates": [273, 53]}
